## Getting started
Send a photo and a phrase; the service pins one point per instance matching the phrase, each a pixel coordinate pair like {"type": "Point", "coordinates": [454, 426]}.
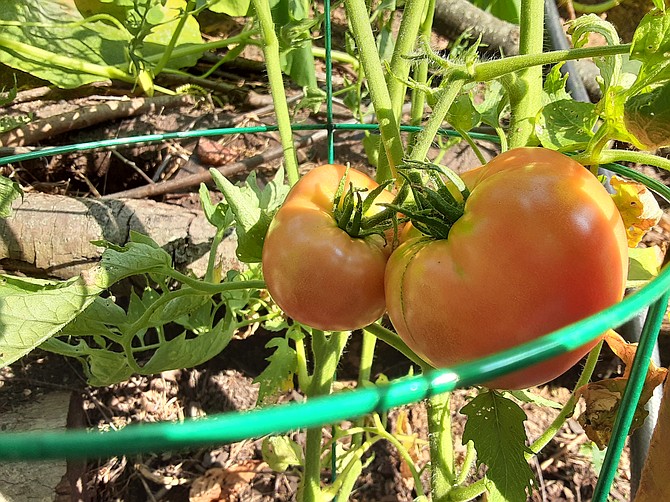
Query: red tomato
{"type": "Point", "coordinates": [540, 245]}
{"type": "Point", "coordinates": [316, 272]}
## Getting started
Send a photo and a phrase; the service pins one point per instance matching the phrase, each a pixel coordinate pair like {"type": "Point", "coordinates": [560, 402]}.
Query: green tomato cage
{"type": "Point", "coordinates": [319, 411]}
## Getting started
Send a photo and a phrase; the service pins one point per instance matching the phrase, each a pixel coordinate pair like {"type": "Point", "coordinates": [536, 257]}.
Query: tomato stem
{"type": "Point", "coordinates": [418, 98]}
{"type": "Point", "coordinates": [441, 445]}
{"type": "Point", "coordinates": [569, 408]}
{"type": "Point", "coordinates": [327, 350]}
{"type": "Point", "coordinates": [368, 344]}
{"type": "Point", "coordinates": [390, 338]}
{"type": "Point", "coordinates": [425, 137]}
{"type": "Point", "coordinates": [276, 79]}
{"type": "Point", "coordinates": [526, 96]}
{"type": "Point", "coordinates": [388, 125]}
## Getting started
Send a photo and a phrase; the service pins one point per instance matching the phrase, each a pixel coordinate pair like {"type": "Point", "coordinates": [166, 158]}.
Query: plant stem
{"type": "Point", "coordinates": [327, 351]}
{"type": "Point", "coordinates": [569, 407]}
{"type": "Point", "coordinates": [211, 288]}
{"type": "Point", "coordinates": [189, 50]}
{"type": "Point", "coordinates": [273, 66]}
{"type": "Point", "coordinates": [418, 99]}
{"type": "Point", "coordinates": [412, 17]}
{"type": "Point", "coordinates": [490, 70]}
{"type": "Point", "coordinates": [598, 8]}
{"type": "Point", "coordinates": [338, 56]}
{"type": "Point", "coordinates": [441, 445]}
{"type": "Point", "coordinates": [526, 98]}
{"type": "Point", "coordinates": [392, 339]}
{"type": "Point", "coordinates": [364, 370]}
{"type": "Point", "coordinates": [418, 486]}
{"type": "Point", "coordinates": [381, 100]}
{"type": "Point", "coordinates": [399, 67]}
{"type": "Point", "coordinates": [470, 492]}
{"type": "Point", "coordinates": [609, 155]}
{"type": "Point", "coordinates": [304, 379]}
{"type": "Point", "coordinates": [211, 261]}
{"type": "Point", "coordinates": [167, 52]}
{"type": "Point", "coordinates": [426, 136]}
{"type": "Point", "coordinates": [29, 52]}
{"type": "Point", "coordinates": [468, 462]}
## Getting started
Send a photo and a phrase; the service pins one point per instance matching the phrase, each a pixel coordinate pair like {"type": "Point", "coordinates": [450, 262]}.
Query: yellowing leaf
{"type": "Point", "coordinates": [603, 398]}
{"type": "Point", "coordinates": [637, 206]}
{"type": "Point", "coordinates": [643, 265]}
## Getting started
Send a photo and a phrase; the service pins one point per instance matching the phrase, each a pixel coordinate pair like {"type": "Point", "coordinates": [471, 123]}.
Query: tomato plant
{"type": "Point", "coordinates": [540, 245]}
{"type": "Point", "coordinates": [317, 272]}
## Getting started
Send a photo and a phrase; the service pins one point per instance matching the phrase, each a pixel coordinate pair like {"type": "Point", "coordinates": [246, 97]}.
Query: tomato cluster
{"type": "Point", "coordinates": [540, 245]}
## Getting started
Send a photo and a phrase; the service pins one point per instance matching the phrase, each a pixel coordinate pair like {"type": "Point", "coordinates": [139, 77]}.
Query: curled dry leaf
{"type": "Point", "coordinates": [225, 485]}
{"type": "Point", "coordinates": [603, 398]}
{"type": "Point", "coordinates": [410, 440]}
{"type": "Point", "coordinates": [638, 207]}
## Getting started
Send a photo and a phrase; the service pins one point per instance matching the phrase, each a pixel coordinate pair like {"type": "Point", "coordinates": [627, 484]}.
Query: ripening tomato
{"type": "Point", "coordinates": [315, 271]}
{"type": "Point", "coordinates": [540, 245]}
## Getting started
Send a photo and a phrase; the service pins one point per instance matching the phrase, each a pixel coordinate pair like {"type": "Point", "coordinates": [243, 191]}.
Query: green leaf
{"type": "Point", "coordinates": [104, 367]}
{"type": "Point", "coordinates": [651, 43]}
{"type": "Point", "coordinates": [9, 191]}
{"type": "Point", "coordinates": [495, 426]}
{"type": "Point", "coordinates": [119, 262]}
{"type": "Point", "coordinates": [386, 42]}
{"type": "Point", "coordinates": [99, 42]}
{"type": "Point", "coordinates": [281, 452]}
{"type": "Point", "coordinates": [526, 396]}
{"type": "Point", "coordinates": [493, 104]}
{"type": "Point", "coordinates": [565, 123]}
{"type": "Point", "coordinates": [610, 66]}
{"type": "Point", "coordinates": [233, 8]}
{"type": "Point", "coordinates": [166, 19]}
{"type": "Point", "coordinates": [294, 31]}
{"type": "Point", "coordinates": [554, 85]}
{"type": "Point", "coordinates": [253, 208]}
{"type": "Point", "coordinates": [507, 10]}
{"type": "Point", "coordinates": [278, 375]}
{"type": "Point", "coordinates": [9, 96]}
{"type": "Point", "coordinates": [32, 312]}
{"type": "Point", "coordinates": [188, 351]}
{"type": "Point", "coordinates": [218, 215]}
{"type": "Point", "coordinates": [644, 264]}
{"type": "Point", "coordinates": [462, 115]}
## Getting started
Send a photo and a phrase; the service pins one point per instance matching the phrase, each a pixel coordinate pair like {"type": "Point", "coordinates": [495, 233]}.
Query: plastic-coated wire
{"type": "Point", "coordinates": [197, 133]}
{"type": "Point", "coordinates": [329, 82]}
{"type": "Point", "coordinates": [631, 396]}
{"type": "Point", "coordinates": [331, 160]}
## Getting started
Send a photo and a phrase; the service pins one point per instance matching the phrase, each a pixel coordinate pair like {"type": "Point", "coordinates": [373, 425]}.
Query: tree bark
{"type": "Point", "coordinates": [50, 235]}
{"type": "Point", "coordinates": [453, 17]}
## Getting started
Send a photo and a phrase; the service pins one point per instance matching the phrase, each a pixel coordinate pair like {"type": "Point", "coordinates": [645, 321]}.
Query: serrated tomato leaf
{"type": "Point", "coordinates": [566, 122]}
{"type": "Point", "coordinates": [495, 426]}
{"type": "Point", "coordinates": [9, 191]}
{"type": "Point", "coordinates": [253, 207]}
{"type": "Point", "coordinates": [278, 375]}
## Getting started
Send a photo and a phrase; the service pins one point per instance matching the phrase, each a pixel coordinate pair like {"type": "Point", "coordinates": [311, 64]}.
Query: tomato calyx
{"type": "Point", "coordinates": [436, 204]}
{"type": "Point", "coordinates": [353, 212]}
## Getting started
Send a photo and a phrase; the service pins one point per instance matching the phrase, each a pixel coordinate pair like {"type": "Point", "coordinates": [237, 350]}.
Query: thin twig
{"type": "Point", "coordinates": [248, 164]}
{"type": "Point", "coordinates": [39, 130]}
{"type": "Point", "coordinates": [133, 165]}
